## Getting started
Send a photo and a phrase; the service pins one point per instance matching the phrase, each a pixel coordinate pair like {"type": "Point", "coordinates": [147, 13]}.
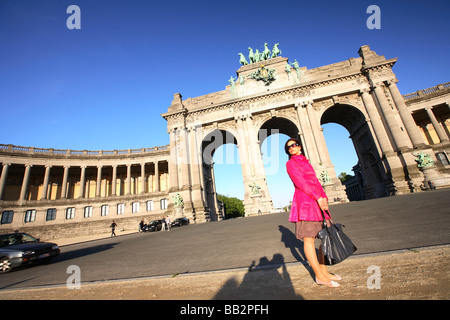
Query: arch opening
{"type": "Point", "coordinates": [369, 179]}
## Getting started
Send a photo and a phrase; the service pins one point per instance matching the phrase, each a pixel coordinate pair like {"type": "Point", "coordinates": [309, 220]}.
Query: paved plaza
{"type": "Point", "coordinates": [258, 258]}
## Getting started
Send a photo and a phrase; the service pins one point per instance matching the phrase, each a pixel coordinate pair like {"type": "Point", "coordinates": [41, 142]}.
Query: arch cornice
{"type": "Point", "coordinates": [268, 100]}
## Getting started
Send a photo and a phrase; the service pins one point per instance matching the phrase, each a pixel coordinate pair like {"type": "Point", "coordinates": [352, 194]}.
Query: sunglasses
{"type": "Point", "coordinates": [293, 145]}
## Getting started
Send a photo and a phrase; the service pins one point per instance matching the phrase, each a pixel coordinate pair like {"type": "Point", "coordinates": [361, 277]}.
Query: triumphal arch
{"type": "Point", "coordinates": [271, 94]}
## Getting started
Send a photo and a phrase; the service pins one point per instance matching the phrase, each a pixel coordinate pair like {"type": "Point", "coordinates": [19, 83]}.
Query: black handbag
{"type": "Point", "coordinates": [336, 245]}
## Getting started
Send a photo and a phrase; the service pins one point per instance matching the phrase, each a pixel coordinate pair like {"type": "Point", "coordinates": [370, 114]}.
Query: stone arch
{"type": "Point", "coordinates": [212, 140]}
{"type": "Point", "coordinates": [369, 158]}
{"type": "Point", "coordinates": [282, 124]}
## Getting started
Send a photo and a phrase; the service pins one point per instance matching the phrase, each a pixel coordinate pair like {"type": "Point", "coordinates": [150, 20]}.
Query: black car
{"type": "Point", "coordinates": [154, 225]}
{"type": "Point", "coordinates": [179, 222]}
{"type": "Point", "coordinates": [19, 249]}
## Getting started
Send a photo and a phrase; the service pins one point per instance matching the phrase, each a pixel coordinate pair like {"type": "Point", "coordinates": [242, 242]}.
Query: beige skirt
{"type": "Point", "coordinates": [308, 229]}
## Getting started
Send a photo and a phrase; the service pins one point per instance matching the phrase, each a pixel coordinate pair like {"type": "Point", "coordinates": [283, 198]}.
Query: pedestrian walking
{"type": "Point", "coordinates": [163, 224]}
{"type": "Point", "coordinates": [168, 223]}
{"type": "Point", "coordinates": [113, 228]}
{"type": "Point", "coordinates": [141, 225]}
{"type": "Point", "coordinates": [308, 201]}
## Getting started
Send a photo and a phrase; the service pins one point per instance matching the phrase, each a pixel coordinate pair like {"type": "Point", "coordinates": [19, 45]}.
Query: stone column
{"type": "Point", "coordinates": [45, 184]}
{"type": "Point", "coordinates": [441, 134]}
{"type": "Point", "coordinates": [196, 171]}
{"type": "Point", "coordinates": [128, 190]}
{"type": "Point", "coordinates": [195, 154]}
{"type": "Point", "coordinates": [411, 128]}
{"type": "Point", "coordinates": [157, 187]}
{"type": "Point", "coordinates": [375, 120]}
{"type": "Point", "coordinates": [98, 185]}
{"type": "Point", "coordinates": [255, 152]}
{"type": "Point", "coordinates": [242, 148]}
{"type": "Point", "coordinates": [64, 182]}
{"type": "Point", "coordinates": [142, 178]}
{"type": "Point", "coordinates": [388, 113]}
{"type": "Point", "coordinates": [302, 126]}
{"type": "Point", "coordinates": [315, 134]}
{"type": "Point", "coordinates": [82, 182]}
{"type": "Point", "coordinates": [173, 163]}
{"type": "Point", "coordinates": [26, 178]}
{"type": "Point", "coordinates": [3, 179]}
{"type": "Point", "coordinates": [184, 159]}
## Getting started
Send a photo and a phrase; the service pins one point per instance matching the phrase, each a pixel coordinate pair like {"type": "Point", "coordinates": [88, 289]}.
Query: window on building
{"type": "Point", "coordinates": [70, 213]}
{"type": "Point", "coordinates": [51, 214]}
{"type": "Point", "coordinates": [30, 216]}
{"type": "Point", "coordinates": [150, 205]}
{"type": "Point", "coordinates": [135, 207]}
{"type": "Point", "coordinates": [105, 210]}
{"type": "Point", "coordinates": [88, 212]}
{"type": "Point", "coordinates": [163, 204]}
{"type": "Point", "coordinates": [120, 208]}
{"type": "Point", "coordinates": [7, 217]}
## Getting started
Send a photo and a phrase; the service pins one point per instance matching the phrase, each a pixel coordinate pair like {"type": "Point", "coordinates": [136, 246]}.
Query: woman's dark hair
{"type": "Point", "coordinates": [286, 148]}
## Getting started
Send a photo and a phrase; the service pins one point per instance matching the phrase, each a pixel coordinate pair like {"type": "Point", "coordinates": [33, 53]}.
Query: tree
{"type": "Point", "coordinates": [344, 177]}
{"type": "Point", "coordinates": [233, 207]}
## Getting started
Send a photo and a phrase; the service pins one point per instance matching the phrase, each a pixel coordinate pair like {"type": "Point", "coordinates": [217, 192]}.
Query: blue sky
{"type": "Point", "coordinates": [105, 85]}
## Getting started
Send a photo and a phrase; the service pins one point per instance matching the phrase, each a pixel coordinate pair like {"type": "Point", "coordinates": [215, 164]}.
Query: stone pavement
{"type": "Point", "coordinates": [421, 273]}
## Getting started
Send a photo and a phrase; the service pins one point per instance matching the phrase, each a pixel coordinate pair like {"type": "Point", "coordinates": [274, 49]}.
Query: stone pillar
{"type": "Point", "coordinates": [441, 134]}
{"type": "Point", "coordinates": [184, 159]}
{"type": "Point", "coordinates": [388, 113]}
{"type": "Point", "coordinates": [255, 152]}
{"type": "Point", "coordinates": [405, 115]}
{"type": "Point", "coordinates": [259, 177]}
{"type": "Point", "coordinates": [301, 133]}
{"type": "Point", "coordinates": [243, 151]}
{"type": "Point", "coordinates": [375, 120]}
{"type": "Point", "coordinates": [214, 193]}
{"type": "Point", "coordinates": [196, 172]}
{"type": "Point", "coordinates": [64, 182]}
{"type": "Point", "coordinates": [128, 190]}
{"type": "Point", "coordinates": [310, 141]}
{"type": "Point", "coordinates": [26, 178]}
{"type": "Point", "coordinates": [3, 178]}
{"type": "Point", "coordinates": [82, 182]}
{"type": "Point", "coordinates": [98, 185]}
{"type": "Point", "coordinates": [142, 178]}
{"type": "Point", "coordinates": [158, 189]}
{"type": "Point", "coordinates": [319, 139]}
{"type": "Point", "coordinates": [173, 163]}
{"type": "Point", "coordinates": [114, 181]}
{"type": "Point", "coordinates": [45, 184]}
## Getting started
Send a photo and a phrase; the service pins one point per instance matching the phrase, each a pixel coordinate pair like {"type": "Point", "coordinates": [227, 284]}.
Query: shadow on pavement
{"type": "Point", "coordinates": [262, 284]}
{"type": "Point", "coordinates": [68, 255]}
{"type": "Point", "coordinates": [265, 281]}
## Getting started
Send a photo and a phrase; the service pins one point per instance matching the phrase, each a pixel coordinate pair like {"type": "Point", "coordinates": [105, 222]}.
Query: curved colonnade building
{"type": "Point", "coordinates": [41, 190]}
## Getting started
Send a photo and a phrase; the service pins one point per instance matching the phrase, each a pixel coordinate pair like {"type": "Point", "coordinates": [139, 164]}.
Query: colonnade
{"type": "Point", "coordinates": [75, 182]}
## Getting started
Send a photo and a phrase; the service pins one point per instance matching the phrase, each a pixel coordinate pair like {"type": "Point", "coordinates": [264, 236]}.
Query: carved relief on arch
{"type": "Point", "coordinates": [352, 99]}
{"type": "Point", "coordinates": [288, 113]}
{"type": "Point", "coordinates": [227, 126]}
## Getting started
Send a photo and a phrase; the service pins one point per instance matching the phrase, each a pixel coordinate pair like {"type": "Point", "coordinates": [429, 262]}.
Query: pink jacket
{"type": "Point", "coordinates": [307, 190]}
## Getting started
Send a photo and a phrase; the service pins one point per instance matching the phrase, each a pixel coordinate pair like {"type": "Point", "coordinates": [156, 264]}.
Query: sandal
{"type": "Point", "coordinates": [336, 277]}
{"type": "Point", "coordinates": [331, 284]}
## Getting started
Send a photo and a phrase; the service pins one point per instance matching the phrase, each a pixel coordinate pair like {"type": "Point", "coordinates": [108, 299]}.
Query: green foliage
{"type": "Point", "coordinates": [233, 207]}
{"type": "Point", "coordinates": [344, 176]}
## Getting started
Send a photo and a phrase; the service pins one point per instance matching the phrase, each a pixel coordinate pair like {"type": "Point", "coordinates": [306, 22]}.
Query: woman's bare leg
{"type": "Point", "coordinates": [311, 256]}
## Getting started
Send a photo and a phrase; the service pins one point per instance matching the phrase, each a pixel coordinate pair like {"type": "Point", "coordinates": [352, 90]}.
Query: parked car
{"type": "Point", "coordinates": [154, 225]}
{"type": "Point", "coordinates": [19, 249]}
{"type": "Point", "coordinates": [179, 222]}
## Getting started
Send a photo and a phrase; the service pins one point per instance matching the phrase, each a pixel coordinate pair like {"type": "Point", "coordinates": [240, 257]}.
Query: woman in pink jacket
{"type": "Point", "coordinates": [309, 200]}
